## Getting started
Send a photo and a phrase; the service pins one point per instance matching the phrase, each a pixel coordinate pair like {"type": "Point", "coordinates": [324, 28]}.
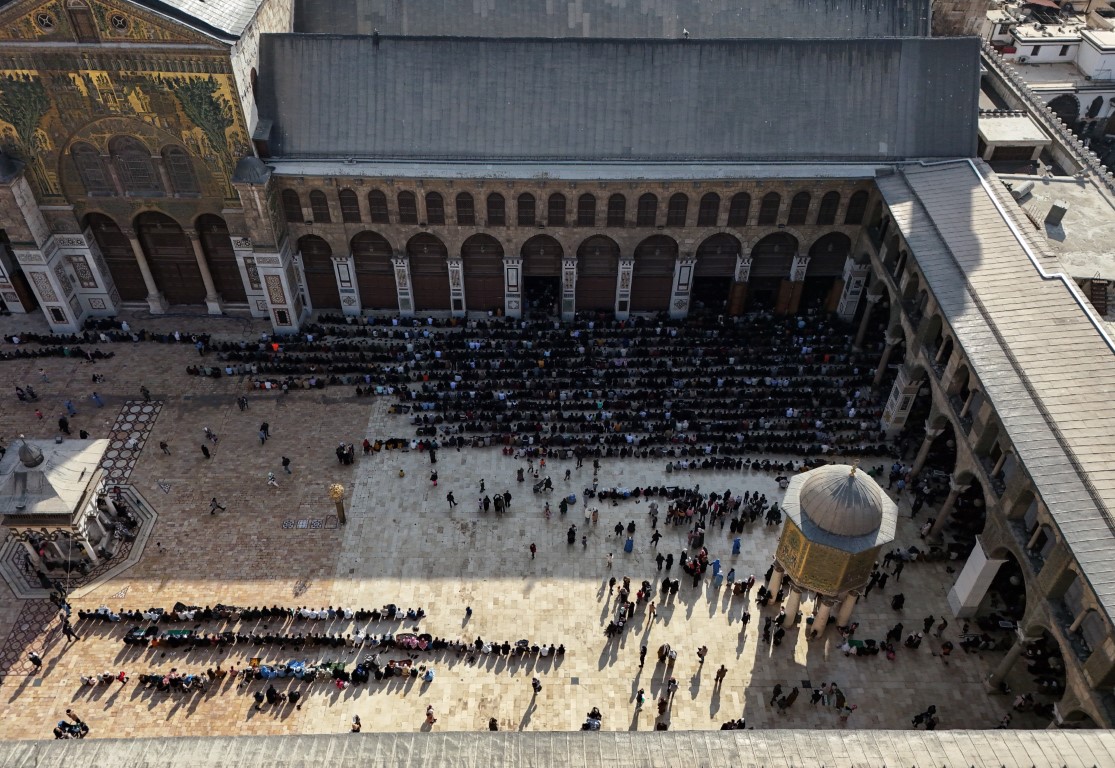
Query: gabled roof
{"type": "Point", "coordinates": [223, 19]}
{"type": "Point", "coordinates": [662, 19]}
{"type": "Point", "coordinates": [1041, 357]}
{"type": "Point", "coordinates": [627, 100]}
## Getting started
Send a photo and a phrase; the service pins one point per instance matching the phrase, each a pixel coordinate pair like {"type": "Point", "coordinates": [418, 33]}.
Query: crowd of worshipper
{"type": "Point", "coordinates": [795, 381]}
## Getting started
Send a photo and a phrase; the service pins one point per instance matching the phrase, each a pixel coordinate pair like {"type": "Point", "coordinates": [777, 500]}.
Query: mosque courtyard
{"type": "Point", "coordinates": [403, 545]}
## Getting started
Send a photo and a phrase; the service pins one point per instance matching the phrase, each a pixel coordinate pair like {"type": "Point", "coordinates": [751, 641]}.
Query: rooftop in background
{"type": "Point", "coordinates": [704, 19]}
{"type": "Point", "coordinates": [49, 492]}
{"type": "Point", "coordinates": [881, 99]}
{"type": "Point", "coordinates": [1085, 239]}
{"type": "Point", "coordinates": [224, 19]}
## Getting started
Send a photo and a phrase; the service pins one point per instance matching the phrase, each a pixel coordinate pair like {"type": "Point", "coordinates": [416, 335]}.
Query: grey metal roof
{"type": "Point", "coordinates": [604, 749]}
{"type": "Point", "coordinates": [704, 19]}
{"type": "Point", "coordinates": [840, 508]}
{"type": "Point", "coordinates": [228, 16]}
{"type": "Point", "coordinates": [1042, 358]}
{"type": "Point", "coordinates": [492, 99]}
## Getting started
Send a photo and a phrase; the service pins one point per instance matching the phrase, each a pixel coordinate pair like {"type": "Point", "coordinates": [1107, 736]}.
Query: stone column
{"type": "Point", "coordinates": [623, 287]}
{"type": "Point", "coordinates": [999, 463]}
{"type": "Point", "coordinates": [955, 489]}
{"type": "Point", "coordinates": [92, 521]}
{"type": "Point", "coordinates": [344, 270]}
{"type": "Point", "coordinates": [402, 284]}
{"type": "Point", "coordinates": [899, 403]}
{"type": "Point", "coordinates": [776, 579]}
{"type": "Point", "coordinates": [968, 403]}
{"type": "Point", "coordinates": [996, 678]}
{"type": "Point", "coordinates": [737, 297]}
{"type": "Point", "coordinates": [568, 288]}
{"type": "Point", "coordinates": [797, 282]}
{"type": "Point", "coordinates": [793, 600]}
{"type": "Point", "coordinates": [31, 553]}
{"type": "Point", "coordinates": [821, 619]}
{"type": "Point", "coordinates": [683, 284]}
{"type": "Point", "coordinates": [89, 550]}
{"type": "Point", "coordinates": [844, 616]}
{"type": "Point", "coordinates": [212, 299]}
{"type": "Point", "coordinates": [855, 278]}
{"type": "Point", "coordinates": [457, 298]}
{"type": "Point", "coordinates": [892, 342]}
{"type": "Point", "coordinates": [513, 286]}
{"type": "Point", "coordinates": [872, 300]}
{"type": "Point", "coordinates": [1033, 542]}
{"type": "Point", "coordinates": [155, 300]}
{"type": "Point", "coordinates": [931, 434]}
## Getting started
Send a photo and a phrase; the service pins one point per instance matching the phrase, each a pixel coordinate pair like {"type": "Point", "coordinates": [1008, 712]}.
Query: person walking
{"type": "Point", "coordinates": [940, 627]}
{"type": "Point", "coordinates": [701, 653]}
{"type": "Point", "coordinates": [204, 451]}
{"type": "Point", "coordinates": [618, 529]}
{"type": "Point", "coordinates": [265, 428]}
{"type": "Point", "coordinates": [286, 465]}
{"type": "Point", "coordinates": [777, 692]}
{"type": "Point", "coordinates": [430, 719]}
{"type": "Point", "coordinates": [642, 655]}
{"type": "Point", "coordinates": [533, 550]}
{"type": "Point", "coordinates": [584, 541]}
{"type": "Point", "coordinates": [608, 559]}
{"type": "Point", "coordinates": [433, 478]}
{"type": "Point", "coordinates": [536, 684]}
{"type": "Point", "coordinates": [68, 630]}
{"type": "Point", "coordinates": [898, 570]}
{"type": "Point", "coordinates": [640, 698]}
{"type": "Point", "coordinates": [507, 500]}
{"type": "Point", "coordinates": [214, 505]}
{"type": "Point", "coordinates": [164, 447]}
{"type": "Point", "coordinates": [69, 404]}
{"type": "Point", "coordinates": [35, 659]}
{"type": "Point", "coordinates": [97, 399]}
{"type": "Point", "coordinates": [482, 485]}
{"type": "Point", "coordinates": [271, 480]}
{"type": "Point", "coordinates": [721, 674]}
{"type": "Point", "coordinates": [654, 539]}
{"type": "Point", "coordinates": [146, 394]}
{"type": "Point", "coordinates": [653, 611]}
{"type": "Point", "coordinates": [660, 560]}
{"type": "Point", "coordinates": [672, 688]}
{"type": "Point", "coordinates": [39, 414]}
{"type": "Point", "coordinates": [262, 437]}
{"type": "Point", "coordinates": [64, 425]}
{"type": "Point", "coordinates": [927, 623]}
{"type": "Point", "coordinates": [451, 500]}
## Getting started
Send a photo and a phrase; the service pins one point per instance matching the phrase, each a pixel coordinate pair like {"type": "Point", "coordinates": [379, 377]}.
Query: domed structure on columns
{"type": "Point", "coordinates": [838, 519]}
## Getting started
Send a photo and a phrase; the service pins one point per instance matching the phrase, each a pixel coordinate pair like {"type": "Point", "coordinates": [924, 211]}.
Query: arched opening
{"type": "Point", "coordinates": [92, 171]}
{"type": "Point", "coordinates": [597, 270]}
{"type": "Point", "coordinates": [967, 520]}
{"type": "Point", "coordinates": [497, 210]}
{"type": "Point", "coordinates": [676, 210]}
{"type": "Point", "coordinates": [1078, 720]}
{"type": "Point", "coordinates": [586, 210]}
{"type": "Point", "coordinates": [466, 210]}
{"type": "Point", "coordinates": [939, 464]}
{"type": "Point", "coordinates": [375, 274]}
{"type": "Point", "coordinates": [768, 209]}
{"type": "Point", "coordinates": [221, 258]}
{"type": "Point", "coordinates": [826, 213]}
{"type": "Point", "coordinates": [542, 256]}
{"type": "Point", "coordinates": [171, 258]}
{"type": "Point", "coordinates": [617, 211]}
{"type": "Point", "coordinates": [135, 167]}
{"type": "Point", "coordinates": [317, 266]}
{"type": "Point", "coordinates": [646, 213]}
{"type": "Point", "coordinates": [435, 209]}
{"type": "Point", "coordinates": [408, 208]}
{"type": "Point", "coordinates": [799, 208]}
{"type": "Point", "coordinates": [292, 206]}
{"type": "Point", "coordinates": [824, 279]}
{"type": "Point", "coordinates": [739, 209]}
{"type": "Point", "coordinates": [350, 206]}
{"type": "Point", "coordinates": [555, 210]}
{"type": "Point", "coordinates": [857, 206]}
{"type": "Point", "coordinates": [1006, 595]}
{"type": "Point", "coordinates": [772, 259]}
{"type": "Point", "coordinates": [180, 169]}
{"type": "Point", "coordinates": [319, 207]}
{"type": "Point", "coordinates": [653, 274]}
{"type": "Point", "coordinates": [482, 262]}
{"type": "Point", "coordinates": [524, 207]}
{"type": "Point", "coordinates": [1067, 107]}
{"type": "Point", "coordinates": [714, 272]}
{"type": "Point", "coordinates": [118, 253]}
{"type": "Point", "coordinates": [708, 213]}
{"type": "Point", "coordinates": [377, 207]}
{"type": "Point", "coordinates": [429, 272]}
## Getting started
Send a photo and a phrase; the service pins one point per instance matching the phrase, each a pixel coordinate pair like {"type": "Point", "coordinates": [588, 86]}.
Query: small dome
{"type": "Point", "coordinates": [9, 167]}
{"type": "Point", "coordinates": [251, 170]}
{"type": "Point", "coordinates": [842, 501]}
{"type": "Point", "coordinates": [30, 455]}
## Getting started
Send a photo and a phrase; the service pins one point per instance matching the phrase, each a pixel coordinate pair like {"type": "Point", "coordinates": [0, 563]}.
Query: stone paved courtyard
{"type": "Point", "coordinates": [403, 545]}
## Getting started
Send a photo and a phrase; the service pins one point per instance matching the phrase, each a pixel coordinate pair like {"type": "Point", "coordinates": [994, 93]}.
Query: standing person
{"type": "Point", "coordinates": [204, 451]}
{"type": "Point", "coordinates": [721, 674]}
{"type": "Point", "coordinates": [433, 478]}
{"type": "Point", "coordinates": [97, 399]}
{"type": "Point", "coordinates": [941, 627]}
{"type": "Point", "coordinates": [430, 719]}
{"type": "Point", "coordinates": [672, 687]}
{"type": "Point", "coordinates": [507, 500]}
{"type": "Point", "coordinates": [42, 374]}
{"type": "Point", "coordinates": [64, 424]}
{"type": "Point", "coordinates": [262, 437]}
{"type": "Point", "coordinates": [214, 505]}
{"type": "Point", "coordinates": [660, 560]}
{"type": "Point", "coordinates": [69, 404]}
{"type": "Point", "coordinates": [286, 465]}
{"type": "Point", "coordinates": [164, 447]}
{"type": "Point", "coordinates": [533, 550]}
{"type": "Point", "coordinates": [584, 541]}
{"type": "Point", "coordinates": [482, 485]}
{"type": "Point", "coordinates": [927, 623]}
{"type": "Point", "coordinates": [777, 692]}
{"type": "Point", "coordinates": [898, 570]}
{"type": "Point", "coordinates": [640, 697]}
{"type": "Point", "coordinates": [536, 684]}
{"type": "Point", "coordinates": [36, 659]}
{"type": "Point", "coordinates": [450, 499]}
{"type": "Point", "coordinates": [701, 653]}
{"type": "Point", "coordinates": [271, 480]}
{"type": "Point", "coordinates": [642, 655]}
{"type": "Point", "coordinates": [39, 414]}
{"type": "Point", "coordinates": [669, 562]}
{"type": "Point", "coordinates": [146, 394]}
{"type": "Point", "coordinates": [653, 611]}
{"type": "Point", "coordinates": [265, 428]}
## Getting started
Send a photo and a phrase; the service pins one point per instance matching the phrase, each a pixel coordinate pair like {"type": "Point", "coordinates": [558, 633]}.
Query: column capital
{"type": "Point", "coordinates": [874, 298]}
{"type": "Point", "coordinates": [955, 486]}
{"type": "Point", "coordinates": [932, 433]}
{"type": "Point", "coordinates": [893, 338]}
{"type": "Point", "coordinates": [192, 233]}
{"type": "Point", "coordinates": [128, 232]}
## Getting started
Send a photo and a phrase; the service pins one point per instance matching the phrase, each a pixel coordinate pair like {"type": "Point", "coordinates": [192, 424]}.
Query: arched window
{"type": "Point", "coordinates": [676, 210]}
{"type": "Point", "coordinates": [350, 206]}
{"type": "Point", "coordinates": [466, 211]}
{"type": "Point", "coordinates": [292, 206]}
{"type": "Point", "coordinates": [408, 208]}
{"type": "Point", "coordinates": [857, 207]}
{"type": "Point", "coordinates": [555, 213]}
{"type": "Point", "coordinates": [377, 207]}
{"type": "Point", "coordinates": [319, 205]}
{"type": "Point", "coordinates": [647, 211]}
{"type": "Point", "coordinates": [181, 171]}
{"type": "Point", "coordinates": [435, 208]}
{"type": "Point", "coordinates": [497, 214]}
{"type": "Point", "coordinates": [586, 211]}
{"type": "Point", "coordinates": [133, 164]}
{"type": "Point", "coordinates": [739, 210]}
{"type": "Point", "coordinates": [826, 214]}
{"type": "Point", "coordinates": [799, 208]}
{"type": "Point", "coordinates": [768, 209]}
{"type": "Point", "coordinates": [525, 208]}
{"type": "Point", "coordinates": [91, 169]}
{"type": "Point", "coordinates": [709, 211]}
{"type": "Point", "coordinates": [617, 211]}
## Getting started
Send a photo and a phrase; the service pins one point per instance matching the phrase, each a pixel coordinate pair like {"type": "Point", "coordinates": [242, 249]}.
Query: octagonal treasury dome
{"type": "Point", "coordinates": [841, 507]}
